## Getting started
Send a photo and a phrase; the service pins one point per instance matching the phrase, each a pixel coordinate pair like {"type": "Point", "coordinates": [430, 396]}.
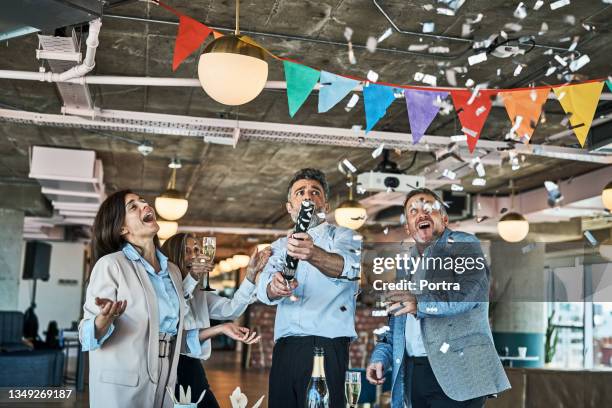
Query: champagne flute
{"type": "Point", "coordinates": [352, 387]}
{"type": "Point", "coordinates": [208, 246]}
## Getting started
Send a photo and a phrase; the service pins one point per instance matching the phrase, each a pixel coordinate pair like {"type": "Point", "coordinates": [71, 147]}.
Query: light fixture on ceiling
{"type": "Point", "coordinates": [225, 266]}
{"type": "Point", "coordinates": [261, 247]}
{"type": "Point", "coordinates": [241, 260]}
{"type": "Point", "coordinates": [350, 214]}
{"type": "Point", "coordinates": [513, 227]}
{"type": "Point", "coordinates": [145, 148]}
{"type": "Point", "coordinates": [606, 196]}
{"type": "Point", "coordinates": [232, 70]}
{"type": "Point", "coordinates": [166, 229]}
{"type": "Point", "coordinates": [171, 205]}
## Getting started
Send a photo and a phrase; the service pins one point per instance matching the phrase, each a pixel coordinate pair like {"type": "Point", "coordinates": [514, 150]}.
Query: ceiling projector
{"type": "Point", "coordinates": [379, 181]}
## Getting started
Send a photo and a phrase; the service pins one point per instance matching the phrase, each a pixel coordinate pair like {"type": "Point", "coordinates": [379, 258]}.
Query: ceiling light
{"type": "Point", "coordinates": [145, 148]}
{"type": "Point", "coordinates": [166, 229]}
{"type": "Point", "coordinates": [171, 205]}
{"type": "Point", "coordinates": [350, 214]}
{"type": "Point", "coordinates": [241, 260]}
{"type": "Point", "coordinates": [225, 266]}
{"type": "Point", "coordinates": [606, 196]}
{"type": "Point", "coordinates": [232, 70]}
{"type": "Point", "coordinates": [261, 247]}
{"type": "Point", "coordinates": [513, 227]}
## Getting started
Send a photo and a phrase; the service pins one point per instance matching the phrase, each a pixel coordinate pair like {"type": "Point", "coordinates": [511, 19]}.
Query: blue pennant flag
{"type": "Point", "coordinates": [333, 89]}
{"type": "Point", "coordinates": [377, 98]}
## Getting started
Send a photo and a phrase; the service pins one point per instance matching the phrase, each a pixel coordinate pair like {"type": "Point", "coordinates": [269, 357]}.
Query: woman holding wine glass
{"type": "Point", "coordinates": [195, 262]}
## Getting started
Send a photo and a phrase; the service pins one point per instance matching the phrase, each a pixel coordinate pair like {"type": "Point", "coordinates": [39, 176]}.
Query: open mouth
{"type": "Point", "coordinates": [424, 225]}
{"type": "Point", "coordinates": [149, 217]}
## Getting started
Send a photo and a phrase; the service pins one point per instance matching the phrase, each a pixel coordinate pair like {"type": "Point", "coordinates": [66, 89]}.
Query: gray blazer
{"type": "Point", "coordinates": [124, 371]}
{"type": "Point", "coordinates": [468, 365]}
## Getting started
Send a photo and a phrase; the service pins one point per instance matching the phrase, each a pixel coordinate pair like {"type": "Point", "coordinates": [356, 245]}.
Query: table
{"type": "Point", "coordinates": [511, 360]}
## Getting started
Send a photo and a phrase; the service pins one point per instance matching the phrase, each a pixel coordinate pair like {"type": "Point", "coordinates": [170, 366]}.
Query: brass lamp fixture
{"type": "Point", "coordinates": [232, 70]}
{"type": "Point", "coordinates": [513, 227]}
{"type": "Point", "coordinates": [350, 214]}
{"type": "Point", "coordinates": [606, 196]}
{"type": "Point", "coordinates": [171, 205]}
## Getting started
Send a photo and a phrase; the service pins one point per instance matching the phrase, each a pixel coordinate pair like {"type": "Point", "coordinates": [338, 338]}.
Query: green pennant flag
{"type": "Point", "coordinates": [609, 83]}
{"type": "Point", "coordinates": [300, 82]}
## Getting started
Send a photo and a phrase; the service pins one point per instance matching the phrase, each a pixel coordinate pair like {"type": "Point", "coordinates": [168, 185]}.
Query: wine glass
{"type": "Point", "coordinates": [208, 245]}
{"type": "Point", "coordinates": [352, 387]}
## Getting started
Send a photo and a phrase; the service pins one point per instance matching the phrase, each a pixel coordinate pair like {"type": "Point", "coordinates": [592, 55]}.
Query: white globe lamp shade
{"type": "Point", "coordinates": [241, 261]}
{"type": "Point", "coordinates": [513, 227]}
{"type": "Point", "coordinates": [232, 71]}
{"type": "Point", "coordinates": [171, 206]}
{"type": "Point", "coordinates": [350, 214]}
{"type": "Point", "coordinates": [606, 196]}
{"type": "Point", "coordinates": [261, 247]}
{"type": "Point", "coordinates": [225, 266]}
{"type": "Point", "coordinates": [166, 229]}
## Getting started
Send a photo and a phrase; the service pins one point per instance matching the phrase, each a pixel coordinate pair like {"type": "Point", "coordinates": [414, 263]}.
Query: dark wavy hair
{"type": "Point", "coordinates": [174, 249]}
{"type": "Point", "coordinates": [108, 223]}
{"type": "Point", "coordinates": [309, 174]}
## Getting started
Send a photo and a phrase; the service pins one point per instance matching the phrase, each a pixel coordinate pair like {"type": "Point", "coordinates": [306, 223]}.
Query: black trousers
{"type": "Point", "coordinates": [427, 393]}
{"type": "Point", "coordinates": [292, 368]}
{"type": "Point", "coordinates": [191, 373]}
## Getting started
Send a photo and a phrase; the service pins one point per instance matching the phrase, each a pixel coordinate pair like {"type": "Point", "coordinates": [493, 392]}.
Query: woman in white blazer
{"type": "Point", "coordinates": [182, 249]}
{"type": "Point", "coordinates": [133, 313]}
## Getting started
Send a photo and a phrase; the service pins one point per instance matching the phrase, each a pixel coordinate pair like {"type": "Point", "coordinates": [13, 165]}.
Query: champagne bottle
{"type": "Point", "coordinates": [317, 395]}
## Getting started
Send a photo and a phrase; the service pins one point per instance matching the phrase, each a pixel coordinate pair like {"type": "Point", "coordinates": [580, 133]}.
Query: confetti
{"type": "Point", "coordinates": [430, 80]}
{"type": "Point", "coordinates": [480, 110]}
{"type": "Point", "coordinates": [449, 174]}
{"type": "Point", "coordinates": [477, 58]}
{"type": "Point", "coordinates": [458, 138]}
{"type": "Point", "coordinates": [517, 70]}
{"type": "Point", "coordinates": [543, 29]}
{"type": "Point", "coordinates": [351, 55]}
{"type": "Point", "coordinates": [538, 4]}
{"type": "Point", "coordinates": [558, 4]}
{"type": "Point", "coordinates": [565, 39]}
{"type": "Point", "coordinates": [445, 11]}
{"type": "Point", "coordinates": [589, 236]}
{"type": "Point", "coordinates": [475, 93]}
{"type": "Point", "coordinates": [385, 35]}
{"type": "Point", "coordinates": [521, 11]}
{"type": "Point", "coordinates": [418, 76]}
{"type": "Point", "coordinates": [560, 60]}
{"type": "Point", "coordinates": [372, 76]}
{"type": "Point", "coordinates": [479, 182]}
{"type": "Point", "coordinates": [476, 20]}
{"type": "Point", "coordinates": [550, 71]}
{"type": "Point", "coordinates": [456, 187]}
{"type": "Point", "coordinates": [349, 166]}
{"type": "Point", "coordinates": [579, 63]}
{"type": "Point", "coordinates": [352, 102]}
{"type": "Point", "coordinates": [378, 151]}
{"type": "Point", "coordinates": [569, 19]}
{"type": "Point", "coordinates": [386, 230]}
{"type": "Point", "coordinates": [513, 27]}
{"type": "Point", "coordinates": [451, 77]}
{"type": "Point", "coordinates": [445, 347]}
{"type": "Point", "coordinates": [469, 132]}
{"type": "Point", "coordinates": [371, 44]}
{"type": "Point", "coordinates": [428, 7]}
{"type": "Point", "coordinates": [498, 71]}
{"type": "Point", "coordinates": [381, 330]}
{"type": "Point", "coordinates": [466, 30]}
{"type": "Point", "coordinates": [418, 47]}
{"type": "Point", "coordinates": [480, 170]}
{"type": "Point", "coordinates": [348, 33]}
{"type": "Point", "coordinates": [356, 128]}
{"type": "Point", "coordinates": [429, 27]}
{"type": "Point", "coordinates": [439, 50]}
{"type": "Point", "coordinates": [469, 83]}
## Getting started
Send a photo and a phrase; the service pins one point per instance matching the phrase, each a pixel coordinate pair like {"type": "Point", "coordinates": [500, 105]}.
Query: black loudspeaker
{"type": "Point", "coordinates": [37, 257]}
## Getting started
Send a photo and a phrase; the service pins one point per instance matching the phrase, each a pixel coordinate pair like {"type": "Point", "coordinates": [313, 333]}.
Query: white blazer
{"type": "Point", "coordinates": [204, 306]}
{"type": "Point", "coordinates": [123, 372]}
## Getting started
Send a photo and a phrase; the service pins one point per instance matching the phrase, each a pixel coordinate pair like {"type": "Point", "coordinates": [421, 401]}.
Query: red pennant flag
{"type": "Point", "coordinates": [526, 105]}
{"type": "Point", "coordinates": [191, 34]}
{"type": "Point", "coordinates": [472, 112]}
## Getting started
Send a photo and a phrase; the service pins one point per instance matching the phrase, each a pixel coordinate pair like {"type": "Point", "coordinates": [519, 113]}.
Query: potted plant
{"type": "Point", "coordinates": [551, 340]}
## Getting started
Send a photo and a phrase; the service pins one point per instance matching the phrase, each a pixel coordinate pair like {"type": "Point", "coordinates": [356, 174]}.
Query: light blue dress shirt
{"type": "Point", "coordinates": [412, 331]}
{"type": "Point", "coordinates": [167, 300]}
{"type": "Point", "coordinates": [325, 306]}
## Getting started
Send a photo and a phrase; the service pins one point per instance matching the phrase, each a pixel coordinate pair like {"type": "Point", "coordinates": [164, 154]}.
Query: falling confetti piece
{"type": "Point", "coordinates": [518, 69]}
{"type": "Point", "coordinates": [385, 35]}
{"type": "Point", "coordinates": [430, 80]}
{"type": "Point", "coordinates": [449, 174]}
{"type": "Point", "coordinates": [466, 30]}
{"type": "Point", "coordinates": [579, 63]}
{"type": "Point", "coordinates": [550, 71]}
{"type": "Point", "coordinates": [560, 60]}
{"type": "Point", "coordinates": [418, 76]}
{"type": "Point", "coordinates": [429, 27]}
{"type": "Point", "coordinates": [352, 102]}
{"type": "Point", "coordinates": [543, 29]}
{"type": "Point", "coordinates": [589, 236]}
{"type": "Point", "coordinates": [386, 230]}
{"type": "Point", "coordinates": [476, 20]}
{"type": "Point", "coordinates": [480, 170]}
{"type": "Point", "coordinates": [445, 347]}
{"type": "Point", "coordinates": [469, 83]}
{"type": "Point", "coordinates": [439, 50]}
{"type": "Point", "coordinates": [445, 11]}
{"type": "Point", "coordinates": [456, 187]}
{"type": "Point", "coordinates": [569, 19]}
{"type": "Point", "coordinates": [521, 11]}
{"type": "Point", "coordinates": [371, 44]}
{"type": "Point", "coordinates": [372, 76]}
{"type": "Point", "coordinates": [477, 58]}
{"type": "Point", "coordinates": [378, 151]}
{"type": "Point", "coordinates": [349, 165]}
{"type": "Point", "coordinates": [451, 77]}
{"type": "Point", "coordinates": [348, 33]}
{"type": "Point", "coordinates": [479, 182]}
{"type": "Point", "coordinates": [480, 110]}
{"type": "Point", "coordinates": [469, 132]}
{"type": "Point", "coordinates": [513, 27]}
{"type": "Point", "coordinates": [418, 47]}
{"type": "Point", "coordinates": [458, 138]}
{"type": "Point", "coordinates": [558, 4]}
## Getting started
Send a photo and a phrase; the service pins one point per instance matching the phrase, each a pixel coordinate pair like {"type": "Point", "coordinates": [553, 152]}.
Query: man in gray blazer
{"type": "Point", "coordinates": [439, 347]}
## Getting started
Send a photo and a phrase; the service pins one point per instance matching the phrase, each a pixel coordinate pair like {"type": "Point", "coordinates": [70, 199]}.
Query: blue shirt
{"type": "Point", "coordinates": [325, 306]}
{"type": "Point", "coordinates": [167, 300]}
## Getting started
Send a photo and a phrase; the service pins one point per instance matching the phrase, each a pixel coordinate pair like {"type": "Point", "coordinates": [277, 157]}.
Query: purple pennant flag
{"type": "Point", "coordinates": [421, 110]}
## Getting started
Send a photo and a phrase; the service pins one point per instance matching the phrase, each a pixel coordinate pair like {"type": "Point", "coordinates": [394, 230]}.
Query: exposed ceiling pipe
{"type": "Point", "coordinates": [162, 81]}
{"type": "Point", "coordinates": [90, 55]}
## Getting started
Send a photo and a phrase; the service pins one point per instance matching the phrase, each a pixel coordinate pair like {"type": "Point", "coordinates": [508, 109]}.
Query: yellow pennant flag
{"type": "Point", "coordinates": [580, 102]}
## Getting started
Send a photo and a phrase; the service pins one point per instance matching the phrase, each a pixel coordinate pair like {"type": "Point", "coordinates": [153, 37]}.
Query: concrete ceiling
{"type": "Point", "coordinates": [246, 186]}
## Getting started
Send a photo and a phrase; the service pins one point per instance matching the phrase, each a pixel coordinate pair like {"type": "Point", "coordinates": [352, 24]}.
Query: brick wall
{"type": "Point", "coordinates": [261, 318]}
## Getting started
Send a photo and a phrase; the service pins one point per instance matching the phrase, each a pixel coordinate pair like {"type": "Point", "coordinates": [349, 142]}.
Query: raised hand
{"type": "Point", "coordinates": [258, 261]}
{"type": "Point", "coordinates": [109, 311]}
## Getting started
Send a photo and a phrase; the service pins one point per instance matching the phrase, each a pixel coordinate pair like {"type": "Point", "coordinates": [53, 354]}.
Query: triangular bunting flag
{"type": "Point", "coordinates": [524, 109]}
{"type": "Point", "coordinates": [609, 83]}
{"type": "Point", "coordinates": [191, 34]}
{"type": "Point", "coordinates": [422, 110]}
{"type": "Point", "coordinates": [300, 81]}
{"type": "Point", "coordinates": [333, 89]}
{"type": "Point", "coordinates": [217, 34]}
{"type": "Point", "coordinates": [472, 115]}
{"type": "Point", "coordinates": [579, 102]}
{"type": "Point", "coordinates": [377, 98]}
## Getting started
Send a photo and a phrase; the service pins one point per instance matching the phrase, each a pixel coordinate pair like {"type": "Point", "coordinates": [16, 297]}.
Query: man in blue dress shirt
{"type": "Point", "coordinates": [439, 347]}
{"type": "Point", "coordinates": [325, 285]}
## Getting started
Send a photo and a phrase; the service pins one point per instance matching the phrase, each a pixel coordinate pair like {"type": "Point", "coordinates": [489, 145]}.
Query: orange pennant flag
{"type": "Point", "coordinates": [524, 109]}
{"type": "Point", "coordinates": [191, 34]}
{"type": "Point", "coordinates": [217, 34]}
{"type": "Point", "coordinates": [580, 102]}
